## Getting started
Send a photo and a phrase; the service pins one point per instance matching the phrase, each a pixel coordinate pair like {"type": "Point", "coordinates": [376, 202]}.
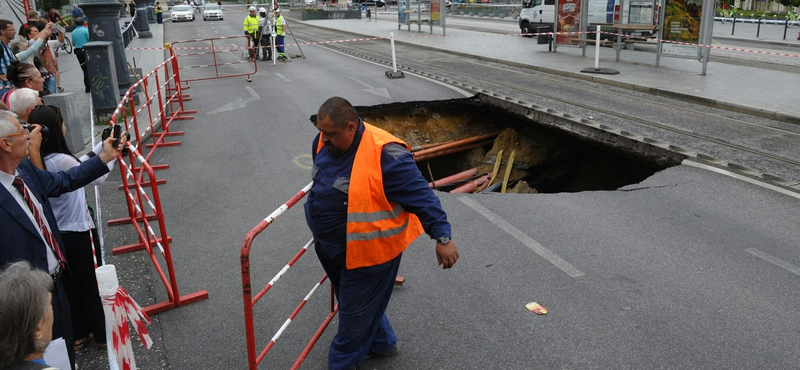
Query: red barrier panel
{"type": "Point", "coordinates": [250, 301]}
{"type": "Point", "coordinates": [133, 177]}
{"type": "Point", "coordinates": [222, 56]}
{"type": "Point", "coordinates": [161, 90]}
{"type": "Point", "coordinates": [163, 104]}
{"type": "Point", "coordinates": [149, 239]}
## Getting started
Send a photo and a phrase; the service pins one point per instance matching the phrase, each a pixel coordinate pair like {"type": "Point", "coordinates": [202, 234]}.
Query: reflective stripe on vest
{"type": "Point", "coordinates": [379, 234]}
{"type": "Point", "coordinates": [374, 216]}
{"type": "Point", "coordinates": [250, 24]}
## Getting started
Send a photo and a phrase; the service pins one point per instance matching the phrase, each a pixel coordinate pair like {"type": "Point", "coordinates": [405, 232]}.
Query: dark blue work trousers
{"type": "Point", "coordinates": [363, 295]}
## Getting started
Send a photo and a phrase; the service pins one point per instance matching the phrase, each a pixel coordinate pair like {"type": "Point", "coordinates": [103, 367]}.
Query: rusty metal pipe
{"type": "Point", "coordinates": [453, 178]}
{"type": "Point", "coordinates": [444, 151]}
{"type": "Point", "coordinates": [451, 144]}
{"type": "Point", "coordinates": [431, 145]}
{"type": "Point", "coordinates": [472, 185]}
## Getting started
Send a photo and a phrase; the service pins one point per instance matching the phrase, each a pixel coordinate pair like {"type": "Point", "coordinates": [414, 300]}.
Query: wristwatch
{"type": "Point", "coordinates": [443, 240]}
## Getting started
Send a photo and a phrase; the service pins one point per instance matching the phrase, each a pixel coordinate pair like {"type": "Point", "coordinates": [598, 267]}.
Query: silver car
{"type": "Point", "coordinates": [182, 13]}
{"type": "Point", "coordinates": [212, 11]}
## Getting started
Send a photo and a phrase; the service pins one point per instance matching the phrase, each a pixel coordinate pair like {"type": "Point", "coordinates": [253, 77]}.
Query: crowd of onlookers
{"type": "Point", "coordinates": [29, 56]}
{"type": "Point", "coordinates": [48, 240]}
{"type": "Point", "coordinates": [49, 226]}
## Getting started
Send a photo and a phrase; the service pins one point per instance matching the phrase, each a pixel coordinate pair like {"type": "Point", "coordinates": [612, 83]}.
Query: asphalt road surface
{"type": "Point", "coordinates": [692, 268]}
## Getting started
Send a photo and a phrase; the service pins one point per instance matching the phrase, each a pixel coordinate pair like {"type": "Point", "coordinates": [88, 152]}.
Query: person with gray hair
{"type": "Point", "coordinates": [25, 51]}
{"type": "Point", "coordinates": [22, 102]}
{"type": "Point", "coordinates": [30, 231]}
{"type": "Point", "coordinates": [26, 317]}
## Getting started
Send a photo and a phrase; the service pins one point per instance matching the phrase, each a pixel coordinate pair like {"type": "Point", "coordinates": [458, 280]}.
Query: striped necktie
{"type": "Point", "coordinates": [48, 236]}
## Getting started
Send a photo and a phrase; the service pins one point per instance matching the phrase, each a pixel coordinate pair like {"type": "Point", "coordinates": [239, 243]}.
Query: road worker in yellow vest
{"type": "Point", "coordinates": [250, 28]}
{"type": "Point", "coordinates": [367, 204]}
{"type": "Point", "coordinates": [280, 31]}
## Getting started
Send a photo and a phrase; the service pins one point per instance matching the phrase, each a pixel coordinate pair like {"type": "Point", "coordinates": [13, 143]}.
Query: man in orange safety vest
{"type": "Point", "coordinates": [367, 204]}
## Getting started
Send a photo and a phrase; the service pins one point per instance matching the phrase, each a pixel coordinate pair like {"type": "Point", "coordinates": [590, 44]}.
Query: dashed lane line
{"type": "Point", "coordinates": [535, 246]}
{"type": "Point", "coordinates": [774, 260]}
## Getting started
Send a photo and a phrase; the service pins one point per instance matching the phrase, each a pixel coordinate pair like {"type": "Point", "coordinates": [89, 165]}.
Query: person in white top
{"type": "Point", "coordinates": [264, 42]}
{"type": "Point", "coordinates": [77, 229]}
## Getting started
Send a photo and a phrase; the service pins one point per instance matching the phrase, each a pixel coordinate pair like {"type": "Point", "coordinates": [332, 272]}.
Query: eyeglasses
{"type": "Point", "coordinates": [24, 132]}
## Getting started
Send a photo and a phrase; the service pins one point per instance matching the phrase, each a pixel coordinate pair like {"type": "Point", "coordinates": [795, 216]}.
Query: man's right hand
{"type": "Point", "coordinates": [35, 139]}
{"type": "Point", "coordinates": [447, 254]}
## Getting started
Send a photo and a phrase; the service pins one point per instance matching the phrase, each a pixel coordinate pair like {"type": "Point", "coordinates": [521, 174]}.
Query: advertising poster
{"type": "Point", "coordinates": [436, 12]}
{"type": "Point", "coordinates": [569, 19]}
{"type": "Point", "coordinates": [681, 24]}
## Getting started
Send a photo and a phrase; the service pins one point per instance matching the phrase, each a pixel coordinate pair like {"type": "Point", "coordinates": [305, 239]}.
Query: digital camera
{"type": "Point", "coordinates": [45, 130]}
{"type": "Point", "coordinates": [116, 130]}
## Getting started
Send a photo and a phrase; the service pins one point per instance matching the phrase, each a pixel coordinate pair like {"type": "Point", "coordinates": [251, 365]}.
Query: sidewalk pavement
{"type": "Point", "coordinates": [758, 91]}
{"type": "Point", "coordinates": [72, 76]}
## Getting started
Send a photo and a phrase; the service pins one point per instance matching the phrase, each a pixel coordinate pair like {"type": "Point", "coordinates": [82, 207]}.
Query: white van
{"type": "Point", "coordinates": [541, 13]}
{"type": "Point", "coordinates": [536, 13]}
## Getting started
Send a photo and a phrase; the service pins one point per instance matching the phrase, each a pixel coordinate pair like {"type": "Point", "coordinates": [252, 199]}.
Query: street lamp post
{"type": "Point", "coordinates": [104, 26]}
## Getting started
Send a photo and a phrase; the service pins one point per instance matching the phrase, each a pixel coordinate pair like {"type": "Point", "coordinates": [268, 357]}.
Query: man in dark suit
{"type": "Point", "coordinates": [29, 230]}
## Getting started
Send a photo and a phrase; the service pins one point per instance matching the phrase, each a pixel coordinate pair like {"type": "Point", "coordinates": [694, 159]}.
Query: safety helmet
{"type": "Point", "coordinates": [252, 9]}
{"type": "Point", "coordinates": [262, 10]}
{"type": "Point", "coordinates": [277, 10]}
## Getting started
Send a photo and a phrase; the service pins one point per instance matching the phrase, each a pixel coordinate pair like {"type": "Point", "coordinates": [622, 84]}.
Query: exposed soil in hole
{"type": "Point", "coordinates": [453, 137]}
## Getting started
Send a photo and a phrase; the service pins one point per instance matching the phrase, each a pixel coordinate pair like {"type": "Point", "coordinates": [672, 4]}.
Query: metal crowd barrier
{"type": "Point", "coordinates": [129, 31]}
{"type": "Point", "coordinates": [151, 235]}
{"type": "Point", "coordinates": [226, 59]}
{"type": "Point", "coordinates": [249, 301]}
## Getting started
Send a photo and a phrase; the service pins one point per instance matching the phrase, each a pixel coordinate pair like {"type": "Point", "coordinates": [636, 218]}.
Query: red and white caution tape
{"type": "Point", "coordinates": [480, 35]}
{"type": "Point", "coordinates": [708, 46]}
{"type": "Point", "coordinates": [119, 307]}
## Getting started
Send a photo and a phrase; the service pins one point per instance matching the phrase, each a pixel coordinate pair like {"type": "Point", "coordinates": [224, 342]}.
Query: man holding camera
{"type": "Point", "coordinates": [30, 232]}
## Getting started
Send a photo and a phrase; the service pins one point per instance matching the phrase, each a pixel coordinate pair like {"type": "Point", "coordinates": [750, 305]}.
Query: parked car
{"type": "Point", "coordinates": [182, 13]}
{"type": "Point", "coordinates": [212, 11]}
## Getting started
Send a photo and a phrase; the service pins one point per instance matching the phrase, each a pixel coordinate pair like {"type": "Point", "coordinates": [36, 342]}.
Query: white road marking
{"type": "Point", "coordinates": [537, 248]}
{"type": "Point", "coordinates": [380, 91]}
{"type": "Point", "coordinates": [237, 103]}
{"type": "Point", "coordinates": [774, 260]}
{"type": "Point", "coordinates": [740, 177]}
{"type": "Point", "coordinates": [283, 77]}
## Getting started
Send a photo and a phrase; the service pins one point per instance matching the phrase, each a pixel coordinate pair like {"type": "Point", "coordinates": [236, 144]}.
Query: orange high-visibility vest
{"type": "Point", "coordinates": [377, 230]}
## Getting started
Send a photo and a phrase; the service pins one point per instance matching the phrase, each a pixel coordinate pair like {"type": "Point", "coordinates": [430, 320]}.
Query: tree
{"type": "Point", "coordinates": [43, 5]}
{"type": "Point", "coordinates": [790, 3]}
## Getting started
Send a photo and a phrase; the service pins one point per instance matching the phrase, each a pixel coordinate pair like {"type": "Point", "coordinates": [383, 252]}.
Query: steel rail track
{"type": "Point", "coordinates": [365, 52]}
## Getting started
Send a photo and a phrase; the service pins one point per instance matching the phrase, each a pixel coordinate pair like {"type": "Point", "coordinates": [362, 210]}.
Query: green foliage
{"type": "Point", "coordinates": [740, 13]}
{"type": "Point", "coordinates": [43, 5]}
{"type": "Point", "coordinates": [791, 3]}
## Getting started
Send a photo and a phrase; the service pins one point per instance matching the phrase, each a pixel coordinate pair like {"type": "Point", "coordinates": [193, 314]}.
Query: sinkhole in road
{"type": "Point", "coordinates": [467, 145]}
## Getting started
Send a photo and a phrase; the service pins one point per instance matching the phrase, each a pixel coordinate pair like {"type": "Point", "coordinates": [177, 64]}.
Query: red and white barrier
{"type": "Point", "coordinates": [119, 307]}
{"type": "Point", "coordinates": [250, 301]}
